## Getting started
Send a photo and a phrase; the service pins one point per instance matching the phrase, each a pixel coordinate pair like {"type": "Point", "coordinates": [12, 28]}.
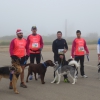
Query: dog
{"type": "Point", "coordinates": [99, 70]}
{"type": "Point", "coordinates": [40, 69]}
{"type": "Point", "coordinates": [70, 68]}
{"type": "Point", "coordinates": [15, 69]}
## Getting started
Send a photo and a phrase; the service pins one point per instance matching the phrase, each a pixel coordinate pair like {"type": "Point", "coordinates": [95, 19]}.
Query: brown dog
{"type": "Point", "coordinates": [40, 69]}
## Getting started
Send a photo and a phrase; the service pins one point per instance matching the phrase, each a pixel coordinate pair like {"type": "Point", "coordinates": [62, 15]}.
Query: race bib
{"type": "Point", "coordinates": [60, 51]}
{"type": "Point", "coordinates": [81, 48]}
{"type": "Point", "coordinates": [35, 45]}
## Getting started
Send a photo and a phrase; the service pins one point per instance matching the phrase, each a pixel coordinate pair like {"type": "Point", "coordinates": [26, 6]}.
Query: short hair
{"type": "Point", "coordinates": [59, 32]}
{"type": "Point", "coordinates": [78, 31]}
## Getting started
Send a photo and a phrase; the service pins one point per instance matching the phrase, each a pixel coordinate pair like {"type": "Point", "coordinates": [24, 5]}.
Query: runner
{"type": "Point", "coordinates": [59, 48]}
{"type": "Point", "coordinates": [35, 46]}
{"type": "Point", "coordinates": [78, 51]}
{"type": "Point", "coordinates": [18, 51]}
{"type": "Point", "coordinates": [98, 49]}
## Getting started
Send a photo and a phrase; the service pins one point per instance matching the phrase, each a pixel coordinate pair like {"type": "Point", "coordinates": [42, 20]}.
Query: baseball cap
{"type": "Point", "coordinates": [33, 27]}
{"type": "Point", "coordinates": [18, 31]}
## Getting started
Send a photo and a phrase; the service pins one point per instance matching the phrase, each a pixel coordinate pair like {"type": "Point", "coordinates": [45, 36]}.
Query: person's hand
{"type": "Point", "coordinates": [14, 57]}
{"type": "Point", "coordinates": [61, 56]}
{"type": "Point", "coordinates": [65, 50]}
{"type": "Point", "coordinates": [26, 57]}
{"type": "Point", "coordinates": [87, 53]}
{"type": "Point", "coordinates": [72, 57]}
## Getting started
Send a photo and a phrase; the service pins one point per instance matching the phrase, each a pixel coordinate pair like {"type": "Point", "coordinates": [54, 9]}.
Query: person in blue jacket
{"type": "Point", "coordinates": [98, 49]}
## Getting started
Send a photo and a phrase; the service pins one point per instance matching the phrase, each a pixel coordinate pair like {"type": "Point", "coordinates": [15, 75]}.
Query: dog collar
{"type": "Point", "coordinates": [44, 64]}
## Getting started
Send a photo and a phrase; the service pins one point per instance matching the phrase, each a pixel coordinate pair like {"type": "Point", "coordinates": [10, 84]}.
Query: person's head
{"type": "Point", "coordinates": [78, 33]}
{"type": "Point", "coordinates": [34, 30]}
{"type": "Point", "coordinates": [59, 34]}
{"type": "Point", "coordinates": [19, 33]}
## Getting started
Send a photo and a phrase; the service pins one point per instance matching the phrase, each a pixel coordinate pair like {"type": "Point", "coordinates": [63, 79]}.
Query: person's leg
{"type": "Point", "coordinates": [22, 61]}
{"type": "Point", "coordinates": [77, 58]}
{"type": "Point", "coordinates": [82, 66]}
{"type": "Point", "coordinates": [32, 57]}
{"type": "Point", "coordinates": [55, 60]}
{"type": "Point", "coordinates": [38, 58]}
{"type": "Point", "coordinates": [65, 76]}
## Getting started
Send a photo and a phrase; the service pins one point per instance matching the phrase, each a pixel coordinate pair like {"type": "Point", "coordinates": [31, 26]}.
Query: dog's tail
{"type": "Point", "coordinates": [73, 62]}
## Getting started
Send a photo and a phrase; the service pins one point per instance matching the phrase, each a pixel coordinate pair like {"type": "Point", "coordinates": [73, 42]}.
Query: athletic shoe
{"type": "Point", "coordinates": [30, 77]}
{"type": "Point", "coordinates": [23, 85]}
{"type": "Point", "coordinates": [84, 76]}
{"type": "Point", "coordinates": [66, 81]}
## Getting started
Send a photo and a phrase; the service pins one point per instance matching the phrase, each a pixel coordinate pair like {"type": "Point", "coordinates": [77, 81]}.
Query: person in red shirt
{"type": "Point", "coordinates": [34, 45]}
{"type": "Point", "coordinates": [78, 51]}
{"type": "Point", "coordinates": [19, 51]}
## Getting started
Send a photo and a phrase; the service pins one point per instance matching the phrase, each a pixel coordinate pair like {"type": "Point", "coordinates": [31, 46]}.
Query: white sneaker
{"type": "Point", "coordinates": [76, 76]}
{"type": "Point", "coordinates": [30, 77]}
{"type": "Point", "coordinates": [84, 76]}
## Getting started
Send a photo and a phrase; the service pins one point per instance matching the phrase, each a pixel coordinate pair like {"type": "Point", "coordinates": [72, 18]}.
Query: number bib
{"type": "Point", "coordinates": [81, 48]}
{"type": "Point", "coordinates": [60, 51]}
{"type": "Point", "coordinates": [35, 45]}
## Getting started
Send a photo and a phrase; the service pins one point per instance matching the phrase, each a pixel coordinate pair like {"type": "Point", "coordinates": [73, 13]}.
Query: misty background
{"type": "Point", "coordinates": [50, 16]}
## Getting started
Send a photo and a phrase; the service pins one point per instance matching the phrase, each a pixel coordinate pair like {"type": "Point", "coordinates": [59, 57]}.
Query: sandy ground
{"type": "Point", "coordinates": [84, 89]}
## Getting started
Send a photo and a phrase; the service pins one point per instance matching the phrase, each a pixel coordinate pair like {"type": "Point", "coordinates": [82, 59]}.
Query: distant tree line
{"type": "Point", "coordinates": [47, 43]}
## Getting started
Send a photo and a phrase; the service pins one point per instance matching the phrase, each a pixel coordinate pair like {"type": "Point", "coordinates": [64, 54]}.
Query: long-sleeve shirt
{"type": "Point", "coordinates": [98, 47]}
{"type": "Point", "coordinates": [18, 47]}
{"type": "Point", "coordinates": [77, 43]}
{"type": "Point", "coordinates": [59, 44]}
{"type": "Point", "coordinates": [29, 41]}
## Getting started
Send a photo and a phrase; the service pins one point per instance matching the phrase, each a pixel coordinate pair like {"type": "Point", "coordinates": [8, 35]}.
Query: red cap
{"type": "Point", "coordinates": [19, 31]}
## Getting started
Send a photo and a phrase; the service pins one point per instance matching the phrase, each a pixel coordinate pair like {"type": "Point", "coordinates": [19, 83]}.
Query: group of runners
{"type": "Point", "coordinates": [21, 48]}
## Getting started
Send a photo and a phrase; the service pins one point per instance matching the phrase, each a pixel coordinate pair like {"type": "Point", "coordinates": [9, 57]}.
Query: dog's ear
{"type": "Point", "coordinates": [50, 63]}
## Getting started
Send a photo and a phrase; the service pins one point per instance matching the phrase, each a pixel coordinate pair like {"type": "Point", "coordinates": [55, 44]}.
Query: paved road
{"type": "Point", "coordinates": [85, 89]}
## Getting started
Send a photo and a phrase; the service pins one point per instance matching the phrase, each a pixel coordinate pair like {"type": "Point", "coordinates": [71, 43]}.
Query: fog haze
{"type": "Point", "coordinates": [49, 16]}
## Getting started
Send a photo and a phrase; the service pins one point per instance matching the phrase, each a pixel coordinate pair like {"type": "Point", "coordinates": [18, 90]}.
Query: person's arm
{"type": "Point", "coordinates": [41, 43]}
{"type": "Point", "coordinates": [73, 49]}
{"type": "Point", "coordinates": [86, 48]}
{"type": "Point", "coordinates": [98, 47]}
{"type": "Point", "coordinates": [11, 48]}
{"type": "Point", "coordinates": [66, 46]}
{"type": "Point", "coordinates": [27, 46]}
{"type": "Point", "coordinates": [54, 48]}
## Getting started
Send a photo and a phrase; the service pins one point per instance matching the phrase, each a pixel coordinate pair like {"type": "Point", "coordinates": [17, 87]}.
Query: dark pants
{"type": "Point", "coordinates": [35, 56]}
{"type": "Point", "coordinates": [63, 62]}
{"type": "Point", "coordinates": [81, 59]}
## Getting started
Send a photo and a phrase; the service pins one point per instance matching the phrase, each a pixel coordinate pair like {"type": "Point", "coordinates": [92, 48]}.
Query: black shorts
{"type": "Point", "coordinates": [22, 60]}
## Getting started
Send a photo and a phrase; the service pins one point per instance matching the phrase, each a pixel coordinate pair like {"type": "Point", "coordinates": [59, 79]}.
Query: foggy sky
{"type": "Point", "coordinates": [49, 16]}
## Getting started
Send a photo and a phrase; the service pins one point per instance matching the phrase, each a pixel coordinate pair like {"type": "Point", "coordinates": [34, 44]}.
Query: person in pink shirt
{"type": "Point", "coordinates": [18, 50]}
{"type": "Point", "coordinates": [79, 50]}
{"type": "Point", "coordinates": [35, 46]}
